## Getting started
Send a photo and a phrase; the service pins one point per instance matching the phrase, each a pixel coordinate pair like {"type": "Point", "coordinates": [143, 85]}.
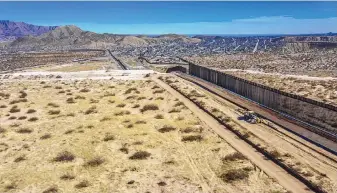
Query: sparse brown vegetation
{"type": "Point", "coordinates": [159, 116]}
{"type": "Point", "coordinates": [54, 112]}
{"type": "Point", "coordinates": [64, 156]}
{"type": "Point", "coordinates": [71, 100]}
{"type": "Point", "coordinates": [82, 184]}
{"type": "Point", "coordinates": [174, 110]}
{"type": "Point", "coordinates": [234, 175]}
{"type": "Point", "coordinates": [52, 189]}
{"type": "Point", "coordinates": [94, 162]}
{"type": "Point", "coordinates": [121, 113]}
{"type": "Point", "coordinates": [149, 107]}
{"type": "Point", "coordinates": [234, 156]}
{"type": "Point", "coordinates": [166, 128]}
{"type": "Point", "coordinates": [67, 176]}
{"type": "Point", "coordinates": [84, 90]}
{"type": "Point", "coordinates": [45, 136]}
{"type": "Point", "coordinates": [20, 158]}
{"type": "Point", "coordinates": [91, 110]}
{"type": "Point", "coordinates": [30, 111]}
{"type": "Point", "coordinates": [191, 138]}
{"type": "Point", "coordinates": [2, 130]}
{"type": "Point", "coordinates": [140, 155]}
{"type": "Point", "coordinates": [53, 105]}
{"type": "Point", "coordinates": [24, 130]}
{"type": "Point", "coordinates": [108, 137]}
{"type": "Point", "coordinates": [14, 109]}
{"type": "Point", "coordinates": [32, 119]}
{"type": "Point", "coordinates": [121, 105]}
{"type": "Point", "coordinates": [140, 122]}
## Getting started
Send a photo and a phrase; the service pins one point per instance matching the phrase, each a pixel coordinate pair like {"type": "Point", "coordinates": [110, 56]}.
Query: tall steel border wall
{"type": "Point", "coordinates": [319, 115]}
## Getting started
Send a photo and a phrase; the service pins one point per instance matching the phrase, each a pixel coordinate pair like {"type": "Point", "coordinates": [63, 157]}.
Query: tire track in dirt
{"type": "Point", "coordinates": [271, 169]}
{"type": "Point", "coordinates": [316, 158]}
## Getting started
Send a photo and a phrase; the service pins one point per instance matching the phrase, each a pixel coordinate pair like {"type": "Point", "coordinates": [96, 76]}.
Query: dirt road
{"type": "Point", "coordinates": [271, 169]}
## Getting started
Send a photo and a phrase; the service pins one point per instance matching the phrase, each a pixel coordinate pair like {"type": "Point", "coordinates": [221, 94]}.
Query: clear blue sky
{"type": "Point", "coordinates": [179, 17]}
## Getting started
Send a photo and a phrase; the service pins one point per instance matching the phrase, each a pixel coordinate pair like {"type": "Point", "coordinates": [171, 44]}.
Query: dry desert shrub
{"type": "Point", "coordinates": [94, 101]}
{"type": "Point", "coordinates": [158, 91]}
{"type": "Point", "coordinates": [69, 131]}
{"type": "Point", "coordinates": [30, 111]}
{"type": "Point", "coordinates": [136, 106]}
{"type": "Point", "coordinates": [187, 130]}
{"type": "Point", "coordinates": [45, 136]}
{"type": "Point", "coordinates": [140, 155]}
{"type": "Point", "coordinates": [234, 156]}
{"type": "Point", "coordinates": [174, 110]}
{"type": "Point", "coordinates": [159, 116]}
{"type": "Point", "coordinates": [70, 115]}
{"type": "Point", "coordinates": [53, 105]}
{"type": "Point", "coordinates": [20, 158]}
{"type": "Point", "coordinates": [52, 189]}
{"type": "Point", "coordinates": [108, 137]}
{"type": "Point", "coordinates": [71, 100]}
{"type": "Point", "coordinates": [11, 117]}
{"type": "Point", "coordinates": [11, 186]}
{"type": "Point", "coordinates": [18, 101]}
{"type": "Point", "coordinates": [80, 97]}
{"type": "Point", "coordinates": [67, 176]}
{"type": "Point", "coordinates": [140, 122]}
{"type": "Point", "coordinates": [129, 126]}
{"type": "Point", "coordinates": [192, 138]}
{"type": "Point", "coordinates": [84, 90]}
{"type": "Point", "coordinates": [64, 156]}
{"type": "Point", "coordinates": [141, 98]}
{"type": "Point", "coordinates": [179, 104]}
{"type": "Point", "coordinates": [129, 90]}
{"type": "Point", "coordinates": [105, 119]}
{"type": "Point", "coordinates": [124, 149]}
{"type": "Point", "coordinates": [24, 130]}
{"type": "Point", "coordinates": [22, 118]}
{"type": "Point", "coordinates": [194, 93]}
{"type": "Point", "coordinates": [54, 112]}
{"type": "Point", "coordinates": [166, 128]}
{"type": "Point", "coordinates": [23, 94]}
{"type": "Point", "coordinates": [121, 113]}
{"type": "Point", "coordinates": [131, 97]}
{"type": "Point", "coordinates": [121, 105]}
{"type": "Point", "coordinates": [33, 119]}
{"type": "Point", "coordinates": [82, 184]}
{"type": "Point", "coordinates": [14, 109]}
{"type": "Point", "coordinates": [149, 107]}
{"type": "Point", "coordinates": [91, 110]}
{"type": "Point", "coordinates": [161, 183]}
{"type": "Point", "coordinates": [94, 162]}
{"type": "Point", "coordinates": [275, 154]}
{"type": "Point", "coordinates": [234, 175]}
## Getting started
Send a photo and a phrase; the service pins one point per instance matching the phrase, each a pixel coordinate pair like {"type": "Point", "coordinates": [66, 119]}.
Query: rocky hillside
{"type": "Point", "coordinates": [72, 37]}
{"type": "Point", "coordinates": [10, 30]}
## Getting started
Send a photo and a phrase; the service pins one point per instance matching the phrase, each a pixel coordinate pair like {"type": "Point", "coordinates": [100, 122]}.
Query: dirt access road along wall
{"type": "Point", "coordinates": [322, 116]}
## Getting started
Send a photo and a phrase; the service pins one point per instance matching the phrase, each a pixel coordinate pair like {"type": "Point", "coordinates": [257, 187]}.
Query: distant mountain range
{"type": "Point", "coordinates": [25, 37]}
{"type": "Point", "coordinates": [13, 30]}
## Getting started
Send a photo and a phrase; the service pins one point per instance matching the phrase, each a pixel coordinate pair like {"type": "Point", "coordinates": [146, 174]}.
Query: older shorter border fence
{"type": "Point", "coordinates": [318, 114]}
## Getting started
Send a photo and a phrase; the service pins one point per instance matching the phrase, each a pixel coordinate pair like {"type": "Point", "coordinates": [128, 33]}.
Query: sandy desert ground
{"type": "Point", "coordinates": [113, 136]}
